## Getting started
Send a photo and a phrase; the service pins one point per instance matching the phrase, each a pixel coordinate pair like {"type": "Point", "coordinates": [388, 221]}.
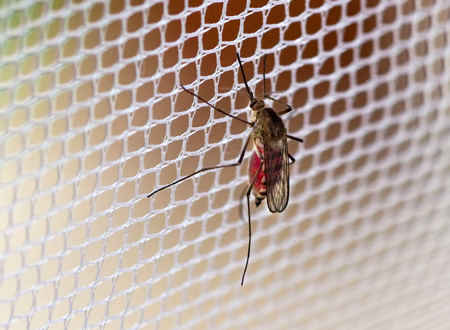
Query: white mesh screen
{"type": "Point", "coordinates": [93, 118]}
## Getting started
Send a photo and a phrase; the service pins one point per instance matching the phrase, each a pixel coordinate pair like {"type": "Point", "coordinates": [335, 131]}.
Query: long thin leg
{"type": "Point", "coordinates": [298, 140]}
{"type": "Point", "coordinates": [282, 112]}
{"type": "Point", "coordinates": [291, 158]}
{"type": "Point", "coordinates": [205, 169]}
{"type": "Point", "coordinates": [249, 222]}
{"type": "Point", "coordinates": [215, 108]}
{"type": "Point", "coordinates": [295, 138]}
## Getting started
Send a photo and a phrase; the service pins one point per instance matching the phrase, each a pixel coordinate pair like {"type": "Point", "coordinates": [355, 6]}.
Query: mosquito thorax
{"type": "Point", "coordinates": [257, 104]}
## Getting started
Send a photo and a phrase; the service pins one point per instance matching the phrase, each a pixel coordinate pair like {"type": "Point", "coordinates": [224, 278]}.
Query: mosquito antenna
{"type": "Point", "coordinates": [245, 80]}
{"type": "Point", "coordinates": [264, 74]}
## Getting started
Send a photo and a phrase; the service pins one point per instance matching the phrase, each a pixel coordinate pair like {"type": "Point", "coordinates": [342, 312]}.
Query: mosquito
{"type": "Point", "coordinates": [269, 161]}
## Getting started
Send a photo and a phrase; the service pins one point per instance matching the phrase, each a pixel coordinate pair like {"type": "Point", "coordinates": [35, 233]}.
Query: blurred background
{"type": "Point", "coordinates": [93, 118]}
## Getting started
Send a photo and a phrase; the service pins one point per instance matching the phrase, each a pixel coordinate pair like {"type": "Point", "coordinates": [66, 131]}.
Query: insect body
{"type": "Point", "coordinates": [259, 186]}
{"type": "Point", "coordinates": [269, 162]}
{"type": "Point", "coordinates": [271, 156]}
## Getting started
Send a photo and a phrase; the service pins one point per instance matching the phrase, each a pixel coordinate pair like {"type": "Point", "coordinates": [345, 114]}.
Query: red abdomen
{"type": "Point", "coordinates": [259, 186]}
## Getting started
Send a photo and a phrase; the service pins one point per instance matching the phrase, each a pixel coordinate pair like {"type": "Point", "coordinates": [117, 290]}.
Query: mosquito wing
{"type": "Point", "coordinates": [276, 161]}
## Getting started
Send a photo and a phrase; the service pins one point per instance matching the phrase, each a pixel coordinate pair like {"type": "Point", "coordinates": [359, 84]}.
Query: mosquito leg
{"type": "Point", "coordinates": [249, 222]}
{"type": "Point", "coordinates": [295, 138]}
{"type": "Point", "coordinates": [282, 112]}
{"type": "Point", "coordinates": [292, 159]}
{"type": "Point", "coordinates": [215, 108]}
{"type": "Point", "coordinates": [241, 157]}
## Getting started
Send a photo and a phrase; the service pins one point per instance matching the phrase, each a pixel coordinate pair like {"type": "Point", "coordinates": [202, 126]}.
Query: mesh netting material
{"type": "Point", "coordinates": [93, 118]}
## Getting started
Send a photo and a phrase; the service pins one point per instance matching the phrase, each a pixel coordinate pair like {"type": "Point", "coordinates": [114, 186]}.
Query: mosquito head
{"type": "Point", "coordinates": [257, 104]}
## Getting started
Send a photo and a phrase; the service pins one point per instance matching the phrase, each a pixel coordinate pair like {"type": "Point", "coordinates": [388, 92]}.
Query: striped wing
{"type": "Point", "coordinates": [276, 163]}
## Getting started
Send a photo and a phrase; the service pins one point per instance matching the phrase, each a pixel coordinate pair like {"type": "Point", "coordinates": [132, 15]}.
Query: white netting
{"type": "Point", "coordinates": [92, 119]}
